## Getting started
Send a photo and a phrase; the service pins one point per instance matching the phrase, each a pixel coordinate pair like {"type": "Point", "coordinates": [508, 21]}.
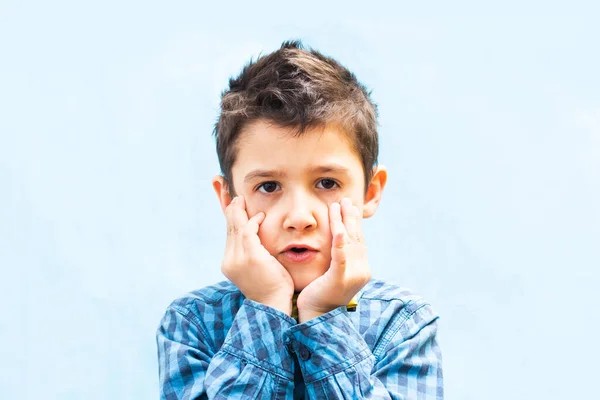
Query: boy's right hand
{"type": "Point", "coordinates": [249, 266]}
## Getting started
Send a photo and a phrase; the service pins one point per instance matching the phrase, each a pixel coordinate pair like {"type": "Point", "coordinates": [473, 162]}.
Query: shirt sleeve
{"type": "Point", "coordinates": [252, 363]}
{"type": "Point", "coordinates": [336, 362]}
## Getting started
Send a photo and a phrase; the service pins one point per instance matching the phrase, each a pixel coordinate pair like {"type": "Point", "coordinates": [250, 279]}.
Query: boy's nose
{"type": "Point", "coordinates": [300, 216]}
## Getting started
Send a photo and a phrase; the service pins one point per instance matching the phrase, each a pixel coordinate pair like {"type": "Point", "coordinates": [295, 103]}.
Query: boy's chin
{"type": "Point", "coordinates": [299, 286]}
{"type": "Point", "coordinates": [302, 279]}
{"type": "Point", "coordinates": [304, 274]}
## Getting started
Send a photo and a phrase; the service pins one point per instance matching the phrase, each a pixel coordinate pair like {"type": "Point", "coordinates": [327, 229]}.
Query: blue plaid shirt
{"type": "Point", "coordinates": [215, 344]}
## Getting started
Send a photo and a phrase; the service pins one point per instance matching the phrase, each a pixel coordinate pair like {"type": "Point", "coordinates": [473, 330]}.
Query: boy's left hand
{"type": "Point", "coordinates": [349, 270]}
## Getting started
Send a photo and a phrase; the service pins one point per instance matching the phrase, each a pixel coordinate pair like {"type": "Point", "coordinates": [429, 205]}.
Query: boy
{"type": "Point", "coordinates": [300, 316]}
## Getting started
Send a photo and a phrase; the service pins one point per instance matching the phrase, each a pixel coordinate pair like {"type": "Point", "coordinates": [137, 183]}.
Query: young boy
{"type": "Point", "coordinates": [300, 316]}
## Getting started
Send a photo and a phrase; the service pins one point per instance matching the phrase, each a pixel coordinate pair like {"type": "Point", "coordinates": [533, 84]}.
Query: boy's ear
{"type": "Point", "coordinates": [222, 190]}
{"type": "Point", "coordinates": [374, 191]}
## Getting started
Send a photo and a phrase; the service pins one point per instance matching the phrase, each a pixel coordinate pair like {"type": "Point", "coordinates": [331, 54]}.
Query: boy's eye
{"type": "Point", "coordinates": [268, 187]}
{"type": "Point", "coordinates": [327, 184]}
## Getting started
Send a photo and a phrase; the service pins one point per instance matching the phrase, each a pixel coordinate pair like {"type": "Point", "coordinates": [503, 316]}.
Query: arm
{"type": "Point", "coordinates": [337, 363]}
{"type": "Point", "coordinates": [251, 364]}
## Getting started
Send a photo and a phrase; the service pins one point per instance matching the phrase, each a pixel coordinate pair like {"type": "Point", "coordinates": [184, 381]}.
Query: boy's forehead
{"type": "Point", "coordinates": [265, 132]}
{"type": "Point", "coordinates": [267, 146]}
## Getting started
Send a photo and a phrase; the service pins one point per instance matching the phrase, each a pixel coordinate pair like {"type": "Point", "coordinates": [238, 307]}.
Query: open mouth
{"type": "Point", "coordinates": [299, 254]}
{"type": "Point", "coordinates": [298, 249]}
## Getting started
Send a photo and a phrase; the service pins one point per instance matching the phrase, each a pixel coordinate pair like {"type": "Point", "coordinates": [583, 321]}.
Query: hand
{"type": "Point", "coordinates": [249, 266]}
{"type": "Point", "coordinates": [349, 270]}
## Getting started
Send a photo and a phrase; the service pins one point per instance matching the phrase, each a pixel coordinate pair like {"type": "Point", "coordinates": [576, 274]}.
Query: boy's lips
{"type": "Point", "coordinates": [294, 257]}
{"type": "Point", "coordinates": [298, 246]}
{"type": "Point", "coordinates": [299, 253]}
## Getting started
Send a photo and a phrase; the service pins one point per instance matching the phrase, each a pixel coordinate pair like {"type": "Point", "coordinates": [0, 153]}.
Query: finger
{"type": "Point", "coordinates": [232, 242]}
{"type": "Point", "coordinates": [237, 217]}
{"type": "Point", "coordinates": [229, 217]}
{"type": "Point", "coordinates": [256, 220]}
{"type": "Point", "coordinates": [351, 219]}
{"type": "Point", "coordinates": [250, 238]}
{"type": "Point", "coordinates": [338, 257]}
{"type": "Point", "coordinates": [338, 230]}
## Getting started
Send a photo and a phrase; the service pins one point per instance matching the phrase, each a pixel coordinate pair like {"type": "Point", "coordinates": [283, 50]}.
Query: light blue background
{"type": "Point", "coordinates": [490, 127]}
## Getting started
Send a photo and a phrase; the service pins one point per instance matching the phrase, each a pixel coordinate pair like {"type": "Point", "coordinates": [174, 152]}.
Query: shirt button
{"type": "Point", "coordinates": [289, 346]}
{"type": "Point", "coordinates": [304, 353]}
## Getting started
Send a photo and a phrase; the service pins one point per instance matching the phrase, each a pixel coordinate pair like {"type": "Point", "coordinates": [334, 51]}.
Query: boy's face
{"type": "Point", "coordinates": [293, 180]}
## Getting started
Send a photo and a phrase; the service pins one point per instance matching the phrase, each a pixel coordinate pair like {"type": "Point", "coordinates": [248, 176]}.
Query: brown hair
{"type": "Point", "coordinates": [297, 88]}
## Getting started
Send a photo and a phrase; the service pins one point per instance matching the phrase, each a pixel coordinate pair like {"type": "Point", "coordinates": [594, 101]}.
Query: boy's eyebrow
{"type": "Point", "coordinates": [330, 168]}
{"type": "Point", "coordinates": [275, 173]}
{"type": "Point", "coordinates": [264, 173]}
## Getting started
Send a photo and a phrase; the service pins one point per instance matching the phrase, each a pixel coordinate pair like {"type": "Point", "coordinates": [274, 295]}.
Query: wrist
{"type": "Point", "coordinates": [280, 303]}
{"type": "Point", "coordinates": [306, 315]}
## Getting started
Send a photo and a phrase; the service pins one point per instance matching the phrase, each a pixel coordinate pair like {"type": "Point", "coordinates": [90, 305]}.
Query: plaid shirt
{"type": "Point", "coordinates": [214, 343]}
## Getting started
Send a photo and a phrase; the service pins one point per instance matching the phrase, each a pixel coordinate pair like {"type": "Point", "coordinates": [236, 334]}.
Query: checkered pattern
{"type": "Point", "coordinates": [214, 343]}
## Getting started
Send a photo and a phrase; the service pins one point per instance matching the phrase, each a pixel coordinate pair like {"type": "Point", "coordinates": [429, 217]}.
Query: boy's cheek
{"type": "Point", "coordinates": [253, 206]}
{"type": "Point", "coordinates": [268, 231]}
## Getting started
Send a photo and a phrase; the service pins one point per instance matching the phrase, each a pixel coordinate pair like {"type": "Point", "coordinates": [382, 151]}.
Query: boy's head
{"type": "Point", "coordinates": [297, 132]}
{"type": "Point", "coordinates": [297, 89]}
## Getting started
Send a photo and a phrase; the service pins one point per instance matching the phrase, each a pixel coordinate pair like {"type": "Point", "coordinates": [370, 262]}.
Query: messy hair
{"type": "Point", "coordinates": [299, 89]}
